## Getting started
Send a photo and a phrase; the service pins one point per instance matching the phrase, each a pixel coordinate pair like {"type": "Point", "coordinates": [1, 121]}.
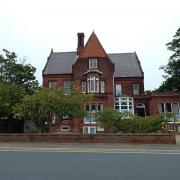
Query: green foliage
{"type": "Point", "coordinates": [148, 92]}
{"type": "Point", "coordinates": [16, 80]}
{"type": "Point", "coordinates": [46, 103]}
{"type": "Point", "coordinates": [10, 94]}
{"type": "Point", "coordinates": [172, 69]}
{"type": "Point", "coordinates": [17, 73]}
{"type": "Point", "coordinates": [127, 123]}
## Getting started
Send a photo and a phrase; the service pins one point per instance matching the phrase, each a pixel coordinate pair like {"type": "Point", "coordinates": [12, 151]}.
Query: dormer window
{"type": "Point", "coordinates": [92, 63]}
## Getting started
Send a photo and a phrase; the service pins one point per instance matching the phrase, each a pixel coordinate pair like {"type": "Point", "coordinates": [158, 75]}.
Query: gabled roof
{"type": "Point", "coordinates": [60, 63]}
{"type": "Point", "coordinates": [126, 64]}
{"type": "Point", "coordinates": [93, 48]}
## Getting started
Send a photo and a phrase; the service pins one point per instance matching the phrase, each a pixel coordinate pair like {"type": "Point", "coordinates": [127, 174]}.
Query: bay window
{"type": "Point", "coordinates": [93, 84]}
{"type": "Point", "coordinates": [124, 104]}
{"type": "Point", "coordinates": [91, 110]}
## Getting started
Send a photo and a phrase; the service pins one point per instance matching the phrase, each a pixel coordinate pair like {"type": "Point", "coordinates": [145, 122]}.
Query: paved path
{"type": "Point", "coordinates": [91, 147]}
{"type": "Point", "coordinates": [77, 147]}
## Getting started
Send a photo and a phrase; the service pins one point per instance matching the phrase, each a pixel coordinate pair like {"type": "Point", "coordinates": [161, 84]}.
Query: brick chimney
{"type": "Point", "coordinates": [80, 45]}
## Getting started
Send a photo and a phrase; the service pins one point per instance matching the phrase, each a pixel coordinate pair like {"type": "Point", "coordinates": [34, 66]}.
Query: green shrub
{"type": "Point", "coordinates": [127, 123]}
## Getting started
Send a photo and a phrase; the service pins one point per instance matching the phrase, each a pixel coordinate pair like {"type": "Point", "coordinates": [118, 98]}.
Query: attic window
{"type": "Point", "coordinates": [92, 63]}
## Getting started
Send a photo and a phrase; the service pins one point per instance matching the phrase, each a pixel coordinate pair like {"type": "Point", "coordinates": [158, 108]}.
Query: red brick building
{"type": "Point", "coordinates": [116, 80]}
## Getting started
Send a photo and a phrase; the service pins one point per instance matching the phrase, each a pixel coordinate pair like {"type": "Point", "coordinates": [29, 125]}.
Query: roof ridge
{"type": "Point", "coordinates": [123, 53]}
{"type": "Point", "coordinates": [65, 52]}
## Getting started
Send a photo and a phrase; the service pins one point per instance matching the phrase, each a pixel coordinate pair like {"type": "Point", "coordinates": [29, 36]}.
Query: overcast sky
{"type": "Point", "coordinates": [32, 27]}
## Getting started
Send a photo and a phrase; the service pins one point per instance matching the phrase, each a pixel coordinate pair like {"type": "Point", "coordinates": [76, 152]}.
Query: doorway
{"type": "Point", "coordinates": [141, 110]}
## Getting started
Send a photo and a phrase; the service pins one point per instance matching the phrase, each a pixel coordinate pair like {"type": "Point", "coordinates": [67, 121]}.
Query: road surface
{"type": "Point", "coordinates": [21, 165]}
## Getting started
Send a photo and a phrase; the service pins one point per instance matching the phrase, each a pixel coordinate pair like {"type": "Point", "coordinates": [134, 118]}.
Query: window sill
{"type": "Point", "coordinates": [89, 122]}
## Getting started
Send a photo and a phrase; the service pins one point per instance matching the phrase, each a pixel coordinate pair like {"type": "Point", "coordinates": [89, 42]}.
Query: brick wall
{"type": "Point", "coordinates": [127, 84]}
{"type": "Point", "coordinates": [162, 98]}
{"type": "Point", "coordinates": [58, 78]}
{"type": "Point", "coordinates": [101, 138]}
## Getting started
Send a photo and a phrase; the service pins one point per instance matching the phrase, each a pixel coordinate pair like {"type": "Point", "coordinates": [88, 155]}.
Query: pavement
{"type": "Point", "coordinates": [92, 147]}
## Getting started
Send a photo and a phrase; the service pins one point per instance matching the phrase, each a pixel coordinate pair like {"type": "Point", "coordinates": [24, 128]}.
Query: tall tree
{"type": "Point", "coordinates": [10, 94]}
{"type": "Point", "coordinates": [172, 69]}
{"type": "Point", "coordinates": [17, 73]}
{"type": "Point", "coordinates": [16, 80]}
{"type": "Point", "coordinates": [46, 103]}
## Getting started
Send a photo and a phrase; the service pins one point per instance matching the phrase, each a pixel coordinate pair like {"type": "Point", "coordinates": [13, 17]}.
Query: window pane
{"type": "Point", "coordinates": [161, 107]}
{"type": "Point", "coordinates": [102, 86]}
{"type": "Point", "coordinates": [124, 104]}
{"type": "Point", "coordinates": [92, 83]}
{"type": "Point", "coordinates": [92, 130]}
{"type": "Point", "coordinates": [85, 130]}
{"type": "Point", "coordinates": [118, 90]}
{"type": "Point", "coordinates": [87, 118]}
{"type": "Point", "coordinates": [83, 86]}
{"type": "Point", "coordinates": [51, 84]}
{"type": "Point", "coordinates": [175, 107]}
{"type": "Point", "coordinates": [92, 63]}
{"type": "Point", "coordinates": [93, 107]}
{"type": "Point", "coordinates": [91, 110]}
{"type": "Point", "coordinates": [99, 107]}
{"type": "Point", "coordinates": [123, 107]}
{"type": "Point", "coordinates": [93, 118]}
{"type": "Point", "coordinates": [168, 107]}
{"type": "Point", "coordinates": [117, 108]}
{"type": "Point", "coordinates": [67, 86]}
{"type": "Point", "coordinates": [136, 89]}
{"type": "Point", "coordinates": [97, 85]}
{"type": "Point", "coordinates": [87, 108]}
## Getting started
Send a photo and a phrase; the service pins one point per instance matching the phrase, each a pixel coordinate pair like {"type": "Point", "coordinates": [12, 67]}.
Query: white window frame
{"type": "Point", "coordinates": [89, 129]}
{"type": "Point", "coordinates": [91, 113]}
{"type": "Point", "coordinates": [118, 90]}
{"type": "Point", "coordinates": [124, 104]}
{"type": "Point", "coordinates": [100, 128]}
{"type": "Point", "coordinates": [92, 63]}
{"type": "Point", "coordinates": [163, 104]}
{"type": "Point", "coordinates": [102, 86]}
{"type": "Point", "coordinates": [93, 84]}
{"type": "Point", "coordinates": [65, 128]}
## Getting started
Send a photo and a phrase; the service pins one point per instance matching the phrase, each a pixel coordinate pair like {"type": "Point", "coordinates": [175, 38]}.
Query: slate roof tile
{"type": "Point", "coordinates": [126, 64]}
